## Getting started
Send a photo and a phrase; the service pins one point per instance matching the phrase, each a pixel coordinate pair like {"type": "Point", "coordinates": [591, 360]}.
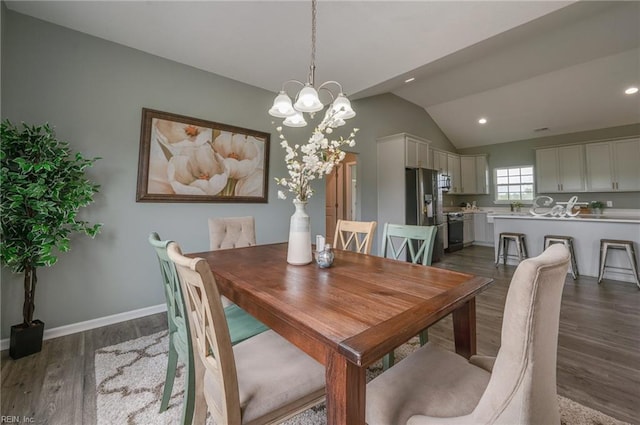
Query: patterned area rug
{"type": "Point", "coordinates": [130, 380]}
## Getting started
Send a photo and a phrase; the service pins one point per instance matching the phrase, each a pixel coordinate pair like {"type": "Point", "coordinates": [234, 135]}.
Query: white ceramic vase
{"type": "Point", "coordinates": [299, 252]}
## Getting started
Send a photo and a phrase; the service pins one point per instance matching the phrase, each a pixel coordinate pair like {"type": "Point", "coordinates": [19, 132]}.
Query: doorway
{"type": "Point", "coordinates": [341, 194]}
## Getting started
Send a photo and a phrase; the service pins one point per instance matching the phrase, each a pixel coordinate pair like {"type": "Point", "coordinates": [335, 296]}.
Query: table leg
{"type": "Point", "coordinates": [464, 329]}
{"type": "Point", "coordinates": [346, 386]}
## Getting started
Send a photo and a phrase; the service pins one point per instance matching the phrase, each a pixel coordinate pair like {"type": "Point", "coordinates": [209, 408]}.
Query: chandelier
{"type": "Point", "coordinates": [307, 99]}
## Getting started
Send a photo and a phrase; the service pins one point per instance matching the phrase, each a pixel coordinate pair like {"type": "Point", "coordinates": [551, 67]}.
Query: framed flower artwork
{"type": "Point", "coordinates": [185, 159]}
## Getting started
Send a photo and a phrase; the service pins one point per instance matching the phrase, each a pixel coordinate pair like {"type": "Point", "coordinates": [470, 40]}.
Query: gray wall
{"type": "Point", "coordinates": [522, 152]}
{"type": "Point", "coordinates": [92, 91]}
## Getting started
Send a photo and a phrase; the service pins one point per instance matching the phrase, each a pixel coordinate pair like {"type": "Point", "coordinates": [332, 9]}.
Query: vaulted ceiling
{"type": "Point", "coordinates": [557, 66]}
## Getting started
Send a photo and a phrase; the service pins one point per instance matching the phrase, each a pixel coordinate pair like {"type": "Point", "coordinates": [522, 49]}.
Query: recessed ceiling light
{"type": "Point", "coordinates": [408, 80]}
{"type": "Point", "coordinates": [482, 121]}
{"type": "Point", "coordinates": [631, 90]}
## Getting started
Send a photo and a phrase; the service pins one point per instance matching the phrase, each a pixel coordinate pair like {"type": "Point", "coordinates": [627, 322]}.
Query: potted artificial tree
{"type": "Point", "coordinates": [42, 186]}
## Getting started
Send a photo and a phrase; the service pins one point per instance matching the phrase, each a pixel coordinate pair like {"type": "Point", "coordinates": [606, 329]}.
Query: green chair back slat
{"type": "Point", "coordinates": [179, 334]}
{"type": "Point", "coordinates": [406, 235]}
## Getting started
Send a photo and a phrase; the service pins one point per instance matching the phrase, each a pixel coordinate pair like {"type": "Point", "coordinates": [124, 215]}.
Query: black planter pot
{"type": "Point", "coordinates": [26, 340]}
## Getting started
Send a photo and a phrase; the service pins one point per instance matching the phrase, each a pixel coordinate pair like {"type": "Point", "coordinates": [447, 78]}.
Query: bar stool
{"type": "Point", "coordinates": [627, 246]}
{"type": "Point", "coordinates": [503, 246]}
{"type": "Point", "coordinates": [568, 242]}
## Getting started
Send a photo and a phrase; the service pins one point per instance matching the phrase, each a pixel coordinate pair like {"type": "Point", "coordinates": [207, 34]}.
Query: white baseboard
{"type": "Point", "coordinates": [95, 323]}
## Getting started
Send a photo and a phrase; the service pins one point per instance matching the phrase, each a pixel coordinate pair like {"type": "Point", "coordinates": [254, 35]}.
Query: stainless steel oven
{"type": "Point", "coordinates": [455, 231]}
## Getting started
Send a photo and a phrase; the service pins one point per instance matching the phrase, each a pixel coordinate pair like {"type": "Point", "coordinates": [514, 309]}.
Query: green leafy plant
{"type": "Point", "coordinates": [596, 205]}
{"type": "Point", "coordinates": [42, 187]}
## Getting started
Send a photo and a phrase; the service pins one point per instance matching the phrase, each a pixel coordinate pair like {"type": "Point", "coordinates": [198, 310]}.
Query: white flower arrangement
{"type": "Point", "coordinates": [312, 160]}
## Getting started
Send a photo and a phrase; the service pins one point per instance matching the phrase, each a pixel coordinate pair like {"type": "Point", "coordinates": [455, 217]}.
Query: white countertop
{"type": "Point", "coordinates": [614, 218]}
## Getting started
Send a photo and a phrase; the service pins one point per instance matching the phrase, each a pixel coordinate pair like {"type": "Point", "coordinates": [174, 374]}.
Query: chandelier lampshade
{"type": "Point", "coordinates": [282, 106]}
{"type": "Point", "coordinates": [342, 107]}
{"type": "Point", "coordinates": [295, 120]}
{"type": "Point", "coordinates": [307, 100]}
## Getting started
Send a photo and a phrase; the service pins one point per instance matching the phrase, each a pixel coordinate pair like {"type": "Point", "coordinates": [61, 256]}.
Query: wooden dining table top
{"type": "Point", "coordinates": [362, 307]}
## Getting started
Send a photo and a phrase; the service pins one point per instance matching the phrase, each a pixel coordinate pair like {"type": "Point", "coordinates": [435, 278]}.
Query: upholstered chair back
{"type": "Point", "coordinates": [523, 381]}
{"type": "Point", "coordinates": [231, 232]}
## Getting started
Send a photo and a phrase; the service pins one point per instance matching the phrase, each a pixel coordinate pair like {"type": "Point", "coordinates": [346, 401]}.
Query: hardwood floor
{"type": "Point", "coordinates": [598, 349]}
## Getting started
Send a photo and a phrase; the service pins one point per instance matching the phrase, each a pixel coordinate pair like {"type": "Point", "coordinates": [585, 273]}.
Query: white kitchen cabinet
{"type": "Point", "coordinates": [416, 152]}
{"type": "Point", "coordinates": [474, 174]}
{"type": "Point", "coordinates": [560, 169]}
{"type": "Point", "coordinates": [613, 166]}
{"type": "Point", "coordinates": [440, 161]}
{"type": "Point", "coordinates": [467, 174]}
{"type": "Point", "coordinates": [482, 175]}
{"type": "Point", "coordinates": [482, 230]}
{"type": "Point", "coordinates": [406, 150]}
{"type": "Point", "coordinates": [468, 229]}
{"type": "Point", "coordinates": [453, 170]}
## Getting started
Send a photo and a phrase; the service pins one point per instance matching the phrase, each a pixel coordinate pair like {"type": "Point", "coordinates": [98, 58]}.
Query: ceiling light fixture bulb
{"type": "Point", "coordinates": [408, 80]}
{"type": "Point", "coordinates": [631, 90]}
{"type": "Point", "coordinates": [482, 121]}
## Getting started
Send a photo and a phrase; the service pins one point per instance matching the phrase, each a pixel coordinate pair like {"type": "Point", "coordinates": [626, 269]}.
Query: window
{"type": "Point", "coordinates": [514, 184]}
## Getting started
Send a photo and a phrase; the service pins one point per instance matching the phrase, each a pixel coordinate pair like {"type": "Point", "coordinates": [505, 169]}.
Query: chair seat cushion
{"type": "Point", "coordinates": [272, 374]}
{"type": "Point", "coordinates": [241, 324]}
{"type": "Point", "coordinates": [430, 382]}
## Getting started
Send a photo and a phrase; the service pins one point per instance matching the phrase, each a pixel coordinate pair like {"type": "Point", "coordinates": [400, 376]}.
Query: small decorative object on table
{"type": "Point", "coordinates": [325, 257]}
{"type": "Point", "coordinates": [308, 162]}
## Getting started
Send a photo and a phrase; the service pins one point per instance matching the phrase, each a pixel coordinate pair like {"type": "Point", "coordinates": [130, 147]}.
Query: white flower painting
{"type": "Point", "coordinates": [184, 159]}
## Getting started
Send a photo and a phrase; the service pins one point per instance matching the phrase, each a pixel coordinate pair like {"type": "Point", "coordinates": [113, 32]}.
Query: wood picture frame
{"type": "Point", "coordinates": [184, 159]}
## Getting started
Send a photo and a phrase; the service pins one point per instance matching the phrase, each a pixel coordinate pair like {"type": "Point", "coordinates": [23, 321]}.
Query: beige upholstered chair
{"type": "Point", "coordinates": [231, 232]}
{"type": "Point", "coordinates": [434, 386]}
{"type": "Point", "coordinates": [360, 233]}
{"type": "Point", "coordinates": [261, 380]}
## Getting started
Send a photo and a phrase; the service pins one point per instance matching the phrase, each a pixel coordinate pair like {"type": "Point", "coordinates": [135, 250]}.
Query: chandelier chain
{"type": "Point", "coordinates": [313, 43]}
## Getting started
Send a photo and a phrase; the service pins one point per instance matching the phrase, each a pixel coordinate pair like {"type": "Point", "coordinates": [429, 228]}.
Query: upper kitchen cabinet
{"type": "Point", "coordinates": [415, 150]}
{"type": "Point", "coordinates": [560, 169]}
{"type": "Point", "coordinates": [613, 166]}
{"type": "Point", "coordinates": [474, 174]}
{"type": "Point", "coordinates": [453, 170]}
{"type": "Point", "coordinates": [439, 161]}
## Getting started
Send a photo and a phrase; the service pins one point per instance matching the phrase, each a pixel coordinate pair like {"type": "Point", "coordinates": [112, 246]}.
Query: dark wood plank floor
{"type": "Point", "coordinates": [598, 349]}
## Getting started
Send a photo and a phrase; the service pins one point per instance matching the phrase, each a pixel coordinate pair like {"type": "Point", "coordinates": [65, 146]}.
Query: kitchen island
{"type": "Point", "coordinates": [586, 230]}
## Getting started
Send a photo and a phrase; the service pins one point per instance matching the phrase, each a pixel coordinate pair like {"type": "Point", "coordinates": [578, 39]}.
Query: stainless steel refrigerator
{"type": "Point", "coordinates": [424, 204]}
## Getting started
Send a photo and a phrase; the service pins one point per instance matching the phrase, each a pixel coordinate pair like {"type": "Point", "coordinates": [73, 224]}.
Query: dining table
{"type": "Point", "coordinates": [349, 315]}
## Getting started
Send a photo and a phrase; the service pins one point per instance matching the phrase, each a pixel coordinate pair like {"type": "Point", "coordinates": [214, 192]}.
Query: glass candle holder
{"type": "Point", "coordinates": [325, 257]}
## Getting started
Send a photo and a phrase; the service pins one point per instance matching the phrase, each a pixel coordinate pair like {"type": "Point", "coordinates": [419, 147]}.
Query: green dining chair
{"type": "Point", "coordinates": [416, 243]}
{"type": "Point", "coordinates": [179, 336]}
{"type": "Point", "coordinates": [241, 327]}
